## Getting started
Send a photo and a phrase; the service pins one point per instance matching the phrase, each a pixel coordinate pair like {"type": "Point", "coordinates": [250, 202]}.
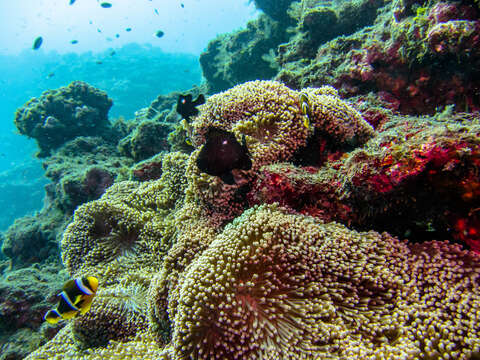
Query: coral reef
{"type": "Point", "coordinates": [115, 229]}
{"type": "Point", "coordinates": [81, 170]}
{"type": "Point", "coordinates": [318, 24]}
{"type": "Point", "coordinates": [274, 285]}
{"type": "Point", "coordinates": [422, 172]}
{"type": "Point", "coordinates": [247, 55]}
{"type": "Point", "coordinates": [192, 268]}
{"type": "Point", "coordinates": [119, 315]}
{"type": "Point", "coordinates": [63, 114]}
{"type": "Point", "coordinates": [148, 139]}
{"type": "Point", "coordinates": [301, 256]}
{"type": "Point", "coordinates": [276, 9]}
{"type": "Point", "coordinates": [417, 56]}
{"type": "Point", "coordinates": [417, 60]}
{"type": "Point", "coordinates": [150, 169]}
{"type": "Point", "coordinates": [34, 239]}
{"type": "Point", "coordinates": [25, 296]}
{"type": "Point", "coordinates": [269, 115]}
{"type": "Point", "coordinates": [156, 128]}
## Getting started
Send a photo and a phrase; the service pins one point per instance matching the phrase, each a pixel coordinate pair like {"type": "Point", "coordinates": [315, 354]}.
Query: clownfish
{"type": "Point", "coordinates": [305, 107]}
{"type": "Point", "coordinates": [76, 298]}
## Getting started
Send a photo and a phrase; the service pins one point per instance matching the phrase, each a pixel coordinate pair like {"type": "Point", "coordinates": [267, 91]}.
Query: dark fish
{"type": "Point", "coordinates": [71, 2]}
{"type": "Point", "coordinates": [113, 52]}
{"type": "Point", "coordinates": [76, 298]}
{"type": "Point", "coordinates": [182, 5]}
{"type": "Point", "coordinates": [74, 42]}
{"type": "Point", "coordinates": [222, 153]}
{"type": "Point", "coordinates": [99, 62]}
{"type": "Point", "coordinates": [128, 29]}
{"type": "Point", "coordinates": [117, 35]}
{"type": "Point", "coordinates": [37, 43]}
{"type": "Point", "coordinates": [186, 107]}
{"type": "Point", "coordinates": [50, 75]}
{"type": "Point", "coordinates": [106, 5]}
{"type": "Point", "coordinates": [159, 33]}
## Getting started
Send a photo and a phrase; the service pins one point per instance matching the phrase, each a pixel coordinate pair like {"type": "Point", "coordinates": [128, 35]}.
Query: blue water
{"type": "Point", "coordinates": [132, 76]}
{"type": "Point", "coordinates": [133, 67]}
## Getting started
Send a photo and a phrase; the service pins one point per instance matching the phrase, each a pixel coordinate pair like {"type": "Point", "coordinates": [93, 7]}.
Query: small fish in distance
{"type": "Point", "coordinates": [106, 5]}
{"type": "Point", "coordinates": [74, 42]}
{"type": "Point", "coordinates": [159, 33]}
{"type": "Point", "coordinates": [75, 299]}
{"type": "Point", "coordinates": [128, 29]}
{"type": "Point", "coordinates": [37, 43]}
{"type": "Point", "coordinates": [71, 2]}
{"type": "Point", "coordinates": [222, 153]}
{"type": "Point", "coordinates": [186, 107]}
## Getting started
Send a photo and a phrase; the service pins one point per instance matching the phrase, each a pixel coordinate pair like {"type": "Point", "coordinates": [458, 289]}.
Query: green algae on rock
{"type": "Point", "coordinates": [232, 59]}
{"type": "Point", "coordinates": [63, 114]}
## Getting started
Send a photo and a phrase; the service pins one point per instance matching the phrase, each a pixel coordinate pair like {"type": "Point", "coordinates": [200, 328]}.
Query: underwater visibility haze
{"type": "Point", "coordinates": [264, 179]}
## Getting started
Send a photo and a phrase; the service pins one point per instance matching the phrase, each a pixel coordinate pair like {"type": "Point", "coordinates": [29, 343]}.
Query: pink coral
{"type": "Point", "coordinates": [459, 37]}
{"type": "Point", "coordinates": [424, 174]}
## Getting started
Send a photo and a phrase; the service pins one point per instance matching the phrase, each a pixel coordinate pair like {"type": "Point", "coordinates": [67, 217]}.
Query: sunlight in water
{"type": "Point", "coordinates": [186, 28]}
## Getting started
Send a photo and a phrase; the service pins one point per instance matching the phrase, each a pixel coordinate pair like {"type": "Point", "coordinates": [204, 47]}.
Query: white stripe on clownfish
{"type": "Point", "coordinates": [82, 287]}
{"type": "Point", "coordinates": [65, 297]}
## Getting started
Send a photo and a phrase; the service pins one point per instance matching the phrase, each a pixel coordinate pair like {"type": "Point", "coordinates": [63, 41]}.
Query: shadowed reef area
{"type": "Point", "coordinates": [353, 235]}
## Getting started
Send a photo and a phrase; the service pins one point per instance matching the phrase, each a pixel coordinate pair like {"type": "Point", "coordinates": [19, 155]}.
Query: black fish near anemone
{"type": "Point", "coordinates": [188, 108]}
{"type": "Point", "coordinates": [222, 153]}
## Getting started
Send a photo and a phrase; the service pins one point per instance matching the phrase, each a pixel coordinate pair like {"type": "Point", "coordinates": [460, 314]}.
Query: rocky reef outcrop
{"type": "Point", "coordinates": [63, 114]}
{"type": "Point", "coordinates": [415, 56]}
{"type": "Point", "coordinates": [231, 59]}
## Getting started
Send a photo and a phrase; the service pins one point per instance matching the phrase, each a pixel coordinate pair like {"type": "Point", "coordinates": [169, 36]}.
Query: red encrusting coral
{"type": "Point", "coordinates": [299, 189]}
{"type": "Point", "coordinates": [417, 63]}
{"type": "Point", "coordinates": [148, 171]}
{"type": "Point", "coordinates": [391, 170]}
{"type": "Point", "coordinates": [424, 175]}
{"type": "Point", "coordinates": [467, 230]}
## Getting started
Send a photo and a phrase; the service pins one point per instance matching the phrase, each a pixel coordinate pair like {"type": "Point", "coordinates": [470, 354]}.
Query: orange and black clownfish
{"type": "Point", "coordinates": [76, 298]}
